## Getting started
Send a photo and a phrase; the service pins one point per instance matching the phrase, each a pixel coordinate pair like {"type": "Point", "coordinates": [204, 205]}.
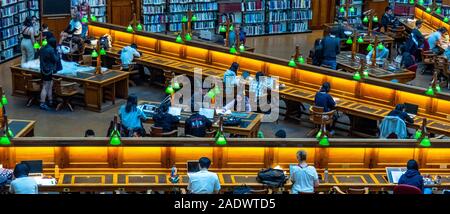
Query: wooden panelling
{"type": "Point", "coordinates": [88, 157]}
{"type": "Point", "coordinates": [134, 157]}
{"type": "Point", "coordinates": [56, 24]}
{"type": "Point", "coordinates": [393, 157]}
{"type": "Point", "coordinates": [121, 12]}
{"type": "Point", "coordinates": [323, 12]}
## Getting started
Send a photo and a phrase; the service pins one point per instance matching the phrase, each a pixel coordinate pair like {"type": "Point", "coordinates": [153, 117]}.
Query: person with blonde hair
{"type": "Point", "coordinates": [304, 177]}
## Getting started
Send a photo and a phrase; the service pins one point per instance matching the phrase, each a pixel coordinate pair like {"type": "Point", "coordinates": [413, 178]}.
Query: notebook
{"type": "Point", "coordinates": [207, 112]}
{"type": "Point", "coordinates": [175, 111]}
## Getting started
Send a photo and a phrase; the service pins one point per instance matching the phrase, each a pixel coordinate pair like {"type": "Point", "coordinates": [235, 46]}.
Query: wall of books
{"type": "Point", "coordinates": [12, 15]}
{"type": "Point", "coordinates": [261, 17]}
{"type": "Point", "coordinates": [354, 12]}
{"type": "Point", "coordinates": [98, 8]}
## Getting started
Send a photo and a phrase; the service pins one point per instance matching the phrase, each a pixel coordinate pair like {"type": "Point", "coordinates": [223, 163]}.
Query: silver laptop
{"type": "Point", "coordinates": [394, 173]}
{"type": "Point", "coordinates": [175, 111]}
{"type": "Point", "coordinates": [207, 112]}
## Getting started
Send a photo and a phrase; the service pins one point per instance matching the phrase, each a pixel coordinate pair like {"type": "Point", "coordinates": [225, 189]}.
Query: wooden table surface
{"type": "Point", "coordinates": [293, 92]}
{"type": "Point", "coordinates": [22, 128]}
{"type": "Point", "coordinates": [249, 127]}
{"type": "Point", "coordinates": [344, 61]}
{"type": "Point", "coordinates": [93, 84]}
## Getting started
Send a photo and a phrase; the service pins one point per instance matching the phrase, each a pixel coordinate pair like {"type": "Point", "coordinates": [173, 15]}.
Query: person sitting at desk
{"type": "Point", "coordinates": [237, 105]}
{"type": "Point", "coordinates": [382, 54]}
{"type": "Point", "coordinates": [416, 35]}
{"type": "Point", "coordinates": [203, 181]}
{"type": "Point", "coordinates": [229, 77]}
{"type": "Point", "coordinates": [131, 118]}
{"type": "Point", "coordinates": [304, 178]}
{"type": "Point", "coordinates": [48, 58]}
{"type": "Point", "coordinates": [412, 175]}
{"type": "Point", "coordinates": [127, 55]}
{"type": "Point", "coordinates": [196, 125]}
{"type": "Point", "coordinates": [323, 99]}
{"type": "Point", "coordinates": [74, 28]}
{"type": "Point", "coordinates": [22, 184]}
{"type": "Point", "coordinates": [388, 18]}
{"type": "Point", "coordinates": [165, 120]}
{"type": "Point", "coordinates": [434, 40]}
{"type": "Point", "coordinates": [399, 111]}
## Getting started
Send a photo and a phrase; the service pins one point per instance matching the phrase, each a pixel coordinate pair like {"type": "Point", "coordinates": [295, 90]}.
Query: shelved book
{"type": "Point", "coordinates": [154, 16]}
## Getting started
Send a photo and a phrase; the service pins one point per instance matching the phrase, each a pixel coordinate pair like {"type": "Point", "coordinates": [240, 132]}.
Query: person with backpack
{"type": "Point", "coordinates": [303, 177]}
{"type": "Point", "coordinates": [316, 54]}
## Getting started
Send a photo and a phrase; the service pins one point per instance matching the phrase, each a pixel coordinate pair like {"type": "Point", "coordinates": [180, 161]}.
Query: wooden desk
{"type": "Point", "coordinates": [93, 85]}
{"type": "Point", "coordinates": [370, 98]}
{"type": "Point", "coordinates": [22, 128]}
{"type": "Point", "coordinates": [345, 62]}
{"type": "Point", "coordinates": [249, 127]}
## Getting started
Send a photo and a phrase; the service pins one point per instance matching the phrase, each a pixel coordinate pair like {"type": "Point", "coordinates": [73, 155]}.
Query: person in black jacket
{"type": "Point", "coordinates": [331, 48]}
{"type": "Point", "coordinates": [165, 120]}
{"type": "Point", "coordinates": [412, 175]}
{"type": "Point", "coordinates": [388, 18]}
{"type": "Point", "coordinates": [417, 35]}
{"type": "Point", "coordinates": [407, 59]}
{"type": "Point", "coordinates": [196, 125]}
{"type": "Point", "coordinates": [48, 65]}
{"type": "Point", "coordinates": [399, 111]}
{"type": "Point", "coordinates": [316, 54]}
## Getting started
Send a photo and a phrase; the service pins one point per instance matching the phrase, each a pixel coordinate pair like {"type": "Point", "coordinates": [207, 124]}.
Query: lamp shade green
{"type": "Point", "coordinates": [370, 47]}
{"type": "Point", "coordinates": [375, 19]}
{"type": "Point", "coordinates": [93, 18]}
{"type": "Point", "coordinates": [211, 94]}
{"type": "Point", "coordinates": [292, 62]}
{"type": "Point", "coordinates": [184, 19]}
{"type": "Point", "coordinates": [139, 27]}
{"type": "Point", "coordinates": [342, 10]}
{"type": "Point", "coordinates": [242, 47]}
{"type": "Point", "coordinates": [366, 73]}
{"type": "Point", "coordinates": [319, 134]}
{"type": "Point", "coordinates": [360, 39]}
{"type": "Point", "coordinates": [357, 76]}
{"type": "Point", "coordinates": [176, 86]}
{"type": "Point", "coordinates": [194, 18]}
{"type": "Point", "coordinates": [222, 29]}
{"type": "Point", "coordinates": [428, 10]}
{"type": "Point", "coordinates": [36, 45]}
{"type": "Point", "coordinates": [221, 140]}
{"type": "Point", "coordinates": [438, 11]}
{"type": "Point", "coordinates": [430, 91]}
{"type": "Point", "coordinates": [233, 50]}
{"type": "Point", "coordinates": [421, 2]}
{"type": "Point", "coordinates": [179, 39]}
{"type": "Point", "coordinates": [411, 2]}
{"type": "Point", "coordinates": [84, 19]}
{"type": "Point", "coordinates": [425, 142]}
{"type": "Point", "coordinates": [231, 27]}
{"type": "Point", "coordinates": [324, 141]}
{"type": "Point", "coordinates": [349, 41]}
{"type": "Point", "coordinates": [216, 90]}
{"type": "Point", "coordinates": [366, 19]}
{"type": "Point", "coordinates": [438, 88]}
{"type": "Point", "coordinates": [44, 42]}
{"type": "Point", "coordinates": [418, 134]}
{"type": "Point", "coordinates": [94, 54]}
{"type": "Point", "coordinates": [130, 29]}
{"type": "Point", "coordinates": [170, 90]}
{"type": "Point", "coordinates": [188, 37]}
{"type": "Point", "coordinates": [380, 46]}
{"type": "Point", "coordinates": [301, 60]}
{"type": "Point", "coordinates": [446, 19]}
{"type": "Point", "coordinates": [4, 100]}
{"type": "Point", "coordinates": [102, 52]}
{"type": "Point", "coordinates": [10, 133]}
{"type": "Point", "coordinates": [115, 138]}
{"type": "Point", "coordinates": [352, 10]}
{"type": "Point", "coordinates": [4, 140]}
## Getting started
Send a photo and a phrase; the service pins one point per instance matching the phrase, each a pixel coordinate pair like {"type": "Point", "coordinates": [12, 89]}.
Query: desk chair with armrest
{"type": "Point", "coordinates": [158, 132]}
{"type": "Point", "coordinates": [441, 66]}
{"type": "Point", "coordinates": [393, 128]}
{"type": "Point", "coordinates": [398, 34]}
{"type": "Point", "coordinates": [404, 189]}
{"type": "Point", "coordinates": [428, 57]}
{"type": "Point", "coordinates": [32, 88]}
{"type": "Point", "coordinates": [131, 69]}
{"type": "Point", "coordinates": [65, 91]}
{"type": "Point", "coordinates": [350, 191]}
{"type": "Point", "coordinates": [75, 56]}
{"type": "Point", "coordinates": [320, 119]}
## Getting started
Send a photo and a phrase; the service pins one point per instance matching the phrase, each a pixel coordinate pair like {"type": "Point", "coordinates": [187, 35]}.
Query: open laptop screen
{"type": "Point", "coordinates": [207, 112]}
{"type": "Point", "coordinates": [192, 166]}
{"type": "Point", "coordinates": [175, 111]}
{"type": "Point", "coordinates": [394, 174]}
{"type": "Point", "coordinates": [411, 108]}
{"type": "Point", "coordinates": [34, 165]}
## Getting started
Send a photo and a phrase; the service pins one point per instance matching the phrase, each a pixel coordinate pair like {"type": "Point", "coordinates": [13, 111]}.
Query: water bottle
{"type": "Point", "coordinates": [174, 175]}
{"type": "Point", "coordinates": [325, 175]}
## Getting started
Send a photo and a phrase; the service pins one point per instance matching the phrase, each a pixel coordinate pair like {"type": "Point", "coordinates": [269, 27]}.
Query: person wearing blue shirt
{"type": "Point", "coordinates": [382, 54]}
{"type": "Point", "coordinates": [435, 38]}
{"type": "Point", "coordinates": [229, 77]}
{"type": "Point", "coordinates": [203, 181]}
{"type": "Point", "coordinates": [131, 117]}
{"type": "Point", "coordinates": [127, 55]}
{"type": "Point", "coordinates": [323, 99]}
{"type": "Point", "coordinates": [22, 184]}
{"type": "Point", "coordinates": [412, 176]}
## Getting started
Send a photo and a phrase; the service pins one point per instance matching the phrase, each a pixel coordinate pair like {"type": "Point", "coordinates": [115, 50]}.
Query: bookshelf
{"type": "Point", "coordinates": [154, 15]}
{"type": "Point", "coordinates": [354, 17]}
{"type": "Point", "coordinates": [301, 14]}
{"type": "Point", "coordinates": [253, 17]}
{"type": "Point", "coordinates": [12, 15]}
{"type": "Point", "coordinates": [98, 9]}
{"type": "Point", "coordinates": [204, 10]}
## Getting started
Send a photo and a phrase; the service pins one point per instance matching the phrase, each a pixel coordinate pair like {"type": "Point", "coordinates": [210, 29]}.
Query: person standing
{"type": "Point", "coordinates": [331, 48]}
{"type": "Point", "coordinates": [48, 65]}
{"type": "Point", "coordinates": [26, 45]}
{"type": "Point", "coordinates": [303, 177]}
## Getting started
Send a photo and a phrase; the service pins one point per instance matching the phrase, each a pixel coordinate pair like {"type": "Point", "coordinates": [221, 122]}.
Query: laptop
{"type": "Point", "coordinates": [411, 109]}
{"type": "Point", "coordinates": [35, 166]}
{"type": "Point", "coordinates": [207, 112]}
{"type": "Point", "coordinates": [193, 166]}
{"type": "Point", "coordinates": [394, 174]}
{"type": "Point", "coordinates": [175, 111]}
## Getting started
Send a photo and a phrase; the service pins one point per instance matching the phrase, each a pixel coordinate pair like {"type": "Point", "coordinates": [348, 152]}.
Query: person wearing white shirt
{"type": "Point", "coordinates": [229, 77]}
{"type": "Point", "coordinates": [203, 181]}
{"type": "Point", "coordinates": [303, 177]}
{"type": "Point", "coordinates": [22, 184]}
{"type": "Point", "coordinates": [127, 55]}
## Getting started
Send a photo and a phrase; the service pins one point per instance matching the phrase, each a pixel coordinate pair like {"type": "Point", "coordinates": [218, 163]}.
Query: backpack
{"type": "Point", "coordinates": [271, 177]}
{"type": "Point", "coordinates": [105, 42]}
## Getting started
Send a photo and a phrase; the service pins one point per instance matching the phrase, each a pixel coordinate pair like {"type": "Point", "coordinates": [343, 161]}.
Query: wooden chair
{"type": "Point", "coordinates": [86, 60]}
{"type": "Point", "coordinates": [398, 34]}
{"type": "Point", "coordinates": [32, 88]}
{"type": "Point", "coordinates": [158, 132]}
{"type": "Point", "coordinates": [131, 70]}
{"type": "Point", "coordinates": [65, 92]}
{"type": "Point", "coordinates": [320, 119]}
{"type": "Point", "coordinates": [78, 55]}
{"type": "Point", "coordinates": [350, 191]}
{"type": "Point", "coordinates": [404, 189]}
{"type": "Point", "coordinates": [428, 57]}
{"type": "Point", "coordinates": [168, 75]}
{"type": "Point", "coordinates": [441, 67]}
